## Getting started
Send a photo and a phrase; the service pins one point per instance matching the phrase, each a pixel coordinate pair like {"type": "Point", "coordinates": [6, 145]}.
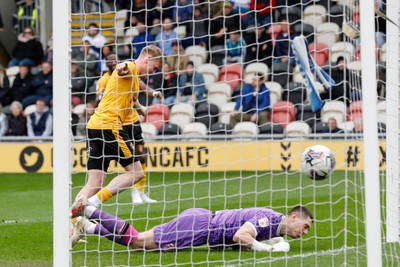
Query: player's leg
{"type": "Point", "coordinates": [120, 149]}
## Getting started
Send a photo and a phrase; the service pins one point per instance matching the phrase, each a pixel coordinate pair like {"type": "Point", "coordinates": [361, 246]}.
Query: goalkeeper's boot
{"type": "Point", "coordinates": [78, 207]}
{"type": "Point", "coordinates": [146, 198]}
{"type": "Point", "coordinates": [136, 199]}
{"type": "Point", "coordinates": [78, 230]}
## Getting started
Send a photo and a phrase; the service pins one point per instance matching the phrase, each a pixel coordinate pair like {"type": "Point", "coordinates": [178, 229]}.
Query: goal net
{"type": "Point", "coordinates": [211, 143]}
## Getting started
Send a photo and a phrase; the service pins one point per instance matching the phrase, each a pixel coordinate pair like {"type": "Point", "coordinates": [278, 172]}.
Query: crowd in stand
{"type": "Point", "coordinates": [246, 32]}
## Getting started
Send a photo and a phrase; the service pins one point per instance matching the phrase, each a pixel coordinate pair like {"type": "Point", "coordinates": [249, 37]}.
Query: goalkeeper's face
{"type": "Point", "coordinates": [298, 226]}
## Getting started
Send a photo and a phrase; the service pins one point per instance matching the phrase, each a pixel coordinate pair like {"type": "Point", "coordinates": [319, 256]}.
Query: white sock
{"type": "Point", "coordinates": [95, 201]}
{"type": "Point", "coordinates": [89, 211]}
{"type": "Point", "coordinates": [89, 227]}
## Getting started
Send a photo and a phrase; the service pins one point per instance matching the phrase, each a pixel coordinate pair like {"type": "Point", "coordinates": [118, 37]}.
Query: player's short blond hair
{"type": "Point", "coordinates": [153, 51]}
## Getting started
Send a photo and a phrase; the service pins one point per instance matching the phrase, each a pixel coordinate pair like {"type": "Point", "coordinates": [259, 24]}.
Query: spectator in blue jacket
{"type": "Point", "coordinates": [166, 37]}
{"type": "Point", "coordinates": [283, 51]}
{"type": "Point", "coordinates": [144, 38]}
{"type": "Point", "coordinates": [42, 84]}
{"type": "Point", "coordinates": [235, 47]}
{"type": "Point", "coordinates": [183, 10]}
{"type": "Point", "coordinates": [253, 103]}
{"type": "Point", "coordinates": [191, 86]}
{"type": "Point", "coordinates": [40, 122]}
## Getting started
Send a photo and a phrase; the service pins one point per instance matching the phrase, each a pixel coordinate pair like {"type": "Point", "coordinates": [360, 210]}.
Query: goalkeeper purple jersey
{"type": "Point", "coordinates": [225, 224]}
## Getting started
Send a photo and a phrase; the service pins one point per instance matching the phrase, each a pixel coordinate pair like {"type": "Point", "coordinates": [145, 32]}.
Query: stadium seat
{"type": "Point", "coordinates": [207, 114]}
{"type": "Point", "coordinates": [225, 114]}
{"type": "Point", "coordinates": [297, 129]}
{"type": "Point", "coordinates": [314, 15]}
{"type": "Point", "coordinates": [169, 129]}
{"type": "Point", "coordinates": [346, 126]}
{"type": "Point", "coordinates": [79, 109]}
{"type": "Point", "coordinates": [275, 92]}
{"type": "Point", "coordinates": [292, 14]}
{"type": "Point", "coordinates": [197, 54]}
{"type": "Point", "coordinates": [320, 127]}
{"type": "Point", "coordinates": [281, 73]}
{"type": "Point", "coordinates": [338, 13]}
{"type": "Point", "coordinates": [307, 30]}
{"type": "Point", "coordinates": [231, 74]}
{"type": "Point", "coordinates": [271, 128]}
{"type": "Point", "coordinates": [148, 129]}
{"type": "Point", "coordinates": [157, 114]}
{"type": "Point", "coordinates": [219, 94]}
{"type": "Point", "coordinates": [12, 73]}
{"type": "Point", "coordinates": [283, 112]}
{"type": "Point", "coordinates": [336, 109]}
{"type": "Point", "coordinates": [195, 129]}
{"type": "Point", "coordinates": [297, 75]}
{"type": "Point", "coordinates": [210, 73]}
{"type": "Point", "coordinates": [180, 31]}
{"type": "Point", "coordinates": [305, 113]}
{"type": "Point", "coordinates": [120, 17]}
{"type": "Point", "coordinates": [295, 93]}
{"type": "Point", "coordinates": [245, 131]}
{"type": "Point", "coordinates": [328, 33]}
{"type": "Point", "coordinates": [257, 67]}
{"type": "Point", "coordinates": [218, 53]}
{"type": "Point", "coordinates": [320, 52]}
{"type": "Point", "coordinates": [273, 31]}
{"type": "Point", "coordinates": [29, 109]}
{"type": "Point", "coordinates": [181, 114]}
{"type": "Point", "coordinates": [342, 49]}
{"type": "Point", "coordinates": [220, 128]}
{"type": "Point", "coordinates": [381, 109]}
{"type": "Point", "coordinates": [354, 66]}
{"type": "Point", "coordinates": [355, 16]}
{"type": "Point", "coordinates": [130, 34]}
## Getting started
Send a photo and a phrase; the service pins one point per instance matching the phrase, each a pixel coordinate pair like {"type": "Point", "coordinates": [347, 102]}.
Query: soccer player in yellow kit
{"type": "Point", "coordinates": [106, 139]}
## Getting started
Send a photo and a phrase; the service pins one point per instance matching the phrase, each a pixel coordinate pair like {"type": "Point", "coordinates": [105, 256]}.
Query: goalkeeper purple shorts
{"type": "Point", "coordinates": [188, 229]}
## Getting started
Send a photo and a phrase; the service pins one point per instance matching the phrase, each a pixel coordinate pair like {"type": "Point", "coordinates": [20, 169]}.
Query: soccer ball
{"type": "Point", "coordinates": [317, 162]}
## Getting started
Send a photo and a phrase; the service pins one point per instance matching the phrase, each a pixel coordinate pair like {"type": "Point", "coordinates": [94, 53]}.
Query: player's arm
{"type": "Point", "coordinates": [139, 108]}
{"type": "Point", "coordinates": [150, 92]}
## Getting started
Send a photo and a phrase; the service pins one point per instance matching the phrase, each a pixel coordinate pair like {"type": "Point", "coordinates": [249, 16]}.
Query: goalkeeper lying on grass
{"type": "Point", "coordinates": [239, 228]}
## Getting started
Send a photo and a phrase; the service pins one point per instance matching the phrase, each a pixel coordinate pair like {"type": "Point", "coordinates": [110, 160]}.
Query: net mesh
{"type": "Point", "coordinates": [199, 155]}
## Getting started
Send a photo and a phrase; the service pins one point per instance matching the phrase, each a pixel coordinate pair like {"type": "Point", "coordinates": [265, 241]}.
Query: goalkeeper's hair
{"type": "Point", "coordinates": [153, 51]}
{"type": "Point", "coordinates": [302, 212]}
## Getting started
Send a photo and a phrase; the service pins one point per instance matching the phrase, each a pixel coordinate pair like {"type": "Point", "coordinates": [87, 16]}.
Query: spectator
{"type": "Point", "coordinates": [26, 15]}
{"type": "Point", "coordinates": [183, 11]}
{"type": "Point", "coordinates": [40, 122]}
{"type": "Point", "coordinates": [358, 125]}
{"type": "Point", "coordinates": [141, 40]}
{"type": "Point", "coordinates": [28, 50]}
{"type": "Point", "coordinates": [191, 86]}
{"type": "Point", "coordinates": [236, 48]}
{"type": "Point", "coordinates": [42, 84]}
{"type": "Point", "coordinates": [5, 98]}
{"type": "Point", "coordinates": [95, 39]}
{"type": "Point", "coordinates": [87, 61]}
{"type": "Point", "coordinates": [283, 52]}
{"type": "Point", "coordinates": [220, 24]}
{"type": "Point", "coordinates": [332, 126]}
{"type": "Point", "coordinates": [78, 83]}
{"type": "Point", "coordinates": [161, 10]}
{"type": "Point", "coordinates": [105, 51]}
{"type": "Point", "coordinates": [3, 122]}
{"type": "Point", "coordinates": [16, 121]}
{"type": "Point", "coordinates": [253, 103]}
{"type": "Point", "coordinates": [166, 83]}
{"type": "Point", "coordinates": [1, 24]}
{"type": "Point", "coordinates": [260, 46]}
{"type": "Point", "coordinates": [341, 90]}
{"type": "Point", "coordinates": [165, 38]}
{"type": "Point", "coordinates": [48, 56]}
{"type": "Point", "coordinates": [81, 127]}
{"type": "Point", "coordinates": [197, 29]}
{"type": "Point", "coordinates": [22, 85]}
{"type": "Point", "coordinates": [177, 60]}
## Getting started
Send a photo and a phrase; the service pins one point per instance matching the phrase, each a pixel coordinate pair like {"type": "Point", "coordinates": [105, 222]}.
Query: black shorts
{"type": "Point", "coordinates": [106, 145]}
{"type": "Point", "coordinates": [134, 132]}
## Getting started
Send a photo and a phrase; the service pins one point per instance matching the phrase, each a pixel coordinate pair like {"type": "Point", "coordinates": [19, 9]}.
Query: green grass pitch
{"type": "Point", "coordinates": [336, 238]}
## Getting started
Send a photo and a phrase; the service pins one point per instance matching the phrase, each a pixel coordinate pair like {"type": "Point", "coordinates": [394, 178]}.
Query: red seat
{"type": "Point", "coordinates": [355, 111]}
{"type": "Point", "coordinates": [283, 112]}
{"type": "Point", "coordinates": [157, 115]}
{"type": "Point", "coordinates": [319, 52]}
{"type": "Point", "coordinates": [231, 74]}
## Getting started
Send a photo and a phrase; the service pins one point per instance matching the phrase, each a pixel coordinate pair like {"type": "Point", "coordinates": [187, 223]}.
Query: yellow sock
{"type": "Point", "coordinates": [141, 185]}
{"type": "Point", "coordinates": [104, 195]}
